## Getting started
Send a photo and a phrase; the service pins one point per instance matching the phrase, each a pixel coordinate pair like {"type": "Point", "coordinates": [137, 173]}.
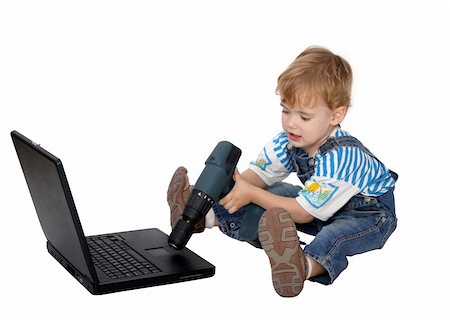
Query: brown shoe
{"type": "Point", "coordinates": [177, 195]}
{"type": "Point", "coordinates": [279, 239]}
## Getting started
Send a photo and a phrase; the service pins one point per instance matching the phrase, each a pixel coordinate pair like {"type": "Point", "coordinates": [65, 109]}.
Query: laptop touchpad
{"type": "Point", "coordinates": [158, 252]}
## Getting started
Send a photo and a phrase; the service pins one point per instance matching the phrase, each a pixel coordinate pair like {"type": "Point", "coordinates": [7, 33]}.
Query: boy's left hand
{"type": "Point", "coordinates": [239, 196]}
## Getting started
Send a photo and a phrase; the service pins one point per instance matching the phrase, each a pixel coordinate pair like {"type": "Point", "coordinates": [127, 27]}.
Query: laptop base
{"type": "Point", "coordinates": [175, 257]}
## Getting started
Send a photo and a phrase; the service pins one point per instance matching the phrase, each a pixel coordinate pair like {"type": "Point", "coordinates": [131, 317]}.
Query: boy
{"type": "Point", "coordinates": [346, 200]}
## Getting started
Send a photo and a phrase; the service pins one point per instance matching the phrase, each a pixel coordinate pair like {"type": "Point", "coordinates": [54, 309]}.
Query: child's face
{"type": "Point", "coordinates": [308, 125]}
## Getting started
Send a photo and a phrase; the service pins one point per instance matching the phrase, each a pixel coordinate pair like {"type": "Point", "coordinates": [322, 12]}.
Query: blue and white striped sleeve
{"type": "Point", "coordinates": [273, 163]}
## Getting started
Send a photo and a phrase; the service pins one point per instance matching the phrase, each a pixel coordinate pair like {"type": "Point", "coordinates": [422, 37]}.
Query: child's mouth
{"type": "Point", "coordinates": [293, 137]}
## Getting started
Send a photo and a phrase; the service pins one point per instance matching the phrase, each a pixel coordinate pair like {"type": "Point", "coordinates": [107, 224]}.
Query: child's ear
{"type": "Point", "coordinates": [338, 115]}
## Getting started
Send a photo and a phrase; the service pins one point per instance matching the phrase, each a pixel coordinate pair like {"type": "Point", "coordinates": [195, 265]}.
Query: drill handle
{"type": "Point", "coordinates": [216, 180]}
{"type": "Point", "coordinates": [227, 188]}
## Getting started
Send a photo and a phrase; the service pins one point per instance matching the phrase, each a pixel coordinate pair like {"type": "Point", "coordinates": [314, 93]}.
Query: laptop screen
{"type": "Point", "coordinates": [53, 202]}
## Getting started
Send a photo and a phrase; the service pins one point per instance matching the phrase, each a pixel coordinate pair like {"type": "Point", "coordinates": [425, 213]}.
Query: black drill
{"type": "Point", "coordinates": [214, 183]}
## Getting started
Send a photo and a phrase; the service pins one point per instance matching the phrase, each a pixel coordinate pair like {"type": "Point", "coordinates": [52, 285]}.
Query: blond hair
{"type": "Point", "coordinates": [316, 72]}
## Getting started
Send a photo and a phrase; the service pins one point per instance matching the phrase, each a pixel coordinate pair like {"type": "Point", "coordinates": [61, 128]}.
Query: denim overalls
{"type": "Point", "coordinates": [362, 224]}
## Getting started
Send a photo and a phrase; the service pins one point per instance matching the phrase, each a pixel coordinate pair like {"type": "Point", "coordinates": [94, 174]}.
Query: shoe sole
{"type": "Point", "coordinates": [175, 195]}
{"type": "Point", "coordinates": [177, 198]}
{"type": "Point", "coordinates": [279, 239]}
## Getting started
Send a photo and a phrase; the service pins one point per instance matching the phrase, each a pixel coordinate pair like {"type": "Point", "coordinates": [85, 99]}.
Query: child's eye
{"type": "Point", "coordinates": [305, 119]}
{"type": "Point", "coordinates": [284, 110]}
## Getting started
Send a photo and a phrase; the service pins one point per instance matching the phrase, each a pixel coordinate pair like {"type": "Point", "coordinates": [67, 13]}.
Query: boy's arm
{"type": "Point", "coordinates": [249, 187]}
{"type": "Point", "coordinates": [251, 177]}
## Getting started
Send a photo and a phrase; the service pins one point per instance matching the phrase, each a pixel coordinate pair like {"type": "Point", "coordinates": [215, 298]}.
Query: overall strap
{"type": "Point", "coordinates": [344, 141]}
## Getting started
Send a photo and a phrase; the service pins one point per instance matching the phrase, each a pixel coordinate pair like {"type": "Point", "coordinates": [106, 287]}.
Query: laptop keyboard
{"type": "Point", "coordinates": [115, 258]}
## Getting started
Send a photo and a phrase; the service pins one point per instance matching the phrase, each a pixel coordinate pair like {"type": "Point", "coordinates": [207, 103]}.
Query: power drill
{"type": "Point", "coordinates": [214, 183]}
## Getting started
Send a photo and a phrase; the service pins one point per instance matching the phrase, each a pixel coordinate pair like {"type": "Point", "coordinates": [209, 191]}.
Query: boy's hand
{"type": "Point", "coordinates": [239, 196]}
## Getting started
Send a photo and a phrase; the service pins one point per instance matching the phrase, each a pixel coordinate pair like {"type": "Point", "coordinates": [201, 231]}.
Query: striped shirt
{"type": "Point", "coordinates": [338, 175]}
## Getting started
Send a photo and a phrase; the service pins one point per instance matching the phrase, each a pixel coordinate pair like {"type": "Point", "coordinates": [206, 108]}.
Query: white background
{"type": "Point", "coordinates": [125, 91]}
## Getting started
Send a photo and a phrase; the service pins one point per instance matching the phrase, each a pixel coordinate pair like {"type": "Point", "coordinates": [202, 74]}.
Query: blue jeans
{"type": "Point", "coordinates": [363, 224]}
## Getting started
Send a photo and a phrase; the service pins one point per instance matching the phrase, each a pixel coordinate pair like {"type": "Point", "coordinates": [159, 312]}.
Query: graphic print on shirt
{"type": "Point", "coordinates": [318, 193]}
{"type": "Point", "coordinates": [263, 160]}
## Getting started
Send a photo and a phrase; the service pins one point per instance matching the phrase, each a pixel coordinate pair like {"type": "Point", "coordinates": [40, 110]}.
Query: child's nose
{"type": "Point", "coordinates": [292, 123]}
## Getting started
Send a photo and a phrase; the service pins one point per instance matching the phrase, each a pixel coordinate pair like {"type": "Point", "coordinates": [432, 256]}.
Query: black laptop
{"type": "Point", "coordinates": [103, 263]}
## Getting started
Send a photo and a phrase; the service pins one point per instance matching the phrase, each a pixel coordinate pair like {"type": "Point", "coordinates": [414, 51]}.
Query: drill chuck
{"type": "Point", "coordinates": [197, 206]}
